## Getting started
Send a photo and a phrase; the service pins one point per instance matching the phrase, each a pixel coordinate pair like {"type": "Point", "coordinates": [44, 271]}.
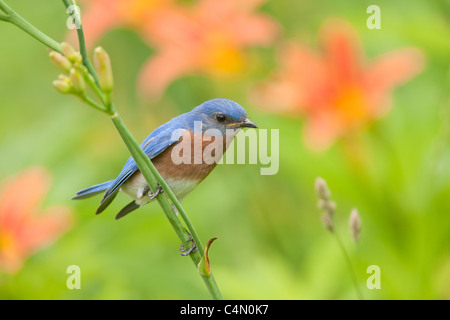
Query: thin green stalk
{"type": "Point", "coordinates": [329, 208]}
{"type": "Point", "coordinates": [93, 85]}
{"type": "Point", "coordinates": [178, 206]}
{"type": "Point", "coordinates": [162, 182]}
{"type": "Point", "coordinates": [150, 172]}
{"type": "Point", "coordinates": [133, 145]}
{"type": "Point", "coordinates": [144, 163]}
{"type": "Point", "coordinates": [82, 43]}
{"type": "Point", "coordinates": [14, 18]}
{"type": "Point", "coordinates": [146, 168]}
{"type": "Point", "coordinates": [4, 17]}
{"type": "Point", "coordinates": [350, 266]}
{"type": "Point", "coordinates": [5, 8]}
{"type": "Point", "coordinates": [92, 103]}
{"type": "Point", "coordinates": [113, 112]}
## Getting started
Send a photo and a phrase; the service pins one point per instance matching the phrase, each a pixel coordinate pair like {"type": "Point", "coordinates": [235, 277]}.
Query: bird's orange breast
{"type": "Point", "coordinates": [197, 164]}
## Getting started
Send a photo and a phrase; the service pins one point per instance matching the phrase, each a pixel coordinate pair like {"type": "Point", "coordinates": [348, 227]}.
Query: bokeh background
{"type": "Point", "coordinates": [393, 166]}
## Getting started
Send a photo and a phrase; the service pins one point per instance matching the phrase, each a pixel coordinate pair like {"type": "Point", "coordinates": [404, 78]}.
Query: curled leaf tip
{"type": "Point", "coordinates": [204, 267]}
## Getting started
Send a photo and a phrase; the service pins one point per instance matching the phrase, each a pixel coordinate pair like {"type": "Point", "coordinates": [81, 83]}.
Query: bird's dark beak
{"type": "Point", "coordinates": [247, 124]}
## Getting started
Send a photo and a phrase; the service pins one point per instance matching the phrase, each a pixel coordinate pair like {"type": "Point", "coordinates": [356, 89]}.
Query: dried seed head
{"type": "Point", "coordinates": [322, 189]}
{"type": "Point", "coordinates": [322, 204]}
{"type": "Point", "coordinates": [355, 224]}
{"type": "Point", "coordinates": [327, 221]}
{"type": "Point", "coordinates": [331, 206]}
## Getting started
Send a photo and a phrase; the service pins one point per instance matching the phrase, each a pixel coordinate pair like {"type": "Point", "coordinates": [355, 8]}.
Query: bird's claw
{"type": "Point", "coordinates": [188, 251]}
{"type": "Point", "coordinates": [153, 195]}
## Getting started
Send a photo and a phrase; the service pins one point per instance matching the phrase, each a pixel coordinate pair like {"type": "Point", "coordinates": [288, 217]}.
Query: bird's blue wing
{"type": "Point", "coordinates": [158, 141]}
{"type": "Point", "coordinates": [152, 148]}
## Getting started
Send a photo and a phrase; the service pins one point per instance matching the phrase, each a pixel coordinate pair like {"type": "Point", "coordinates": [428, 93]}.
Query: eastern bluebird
{"type": "Point", "coordinates": [220, 115]}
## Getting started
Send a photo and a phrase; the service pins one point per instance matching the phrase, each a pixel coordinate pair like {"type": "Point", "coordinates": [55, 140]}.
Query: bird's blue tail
{"type": "Point", "coordinates": [92, 191]}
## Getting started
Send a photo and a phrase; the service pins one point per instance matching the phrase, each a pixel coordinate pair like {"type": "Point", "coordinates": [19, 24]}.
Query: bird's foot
{"type": "Point", "coordinates": [188, 251]}
{"type": "Point", "coordinates": [153, 195]}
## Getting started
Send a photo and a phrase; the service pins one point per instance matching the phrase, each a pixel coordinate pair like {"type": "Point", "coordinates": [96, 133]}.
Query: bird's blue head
{"type": "Point", "coordinates": [222, 114]}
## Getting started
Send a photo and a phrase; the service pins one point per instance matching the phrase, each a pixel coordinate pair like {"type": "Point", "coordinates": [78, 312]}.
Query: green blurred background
{"type": "Point", "coordinates": [271, 242]}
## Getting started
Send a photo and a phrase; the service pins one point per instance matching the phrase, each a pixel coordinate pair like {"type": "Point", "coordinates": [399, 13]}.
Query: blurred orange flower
{"type": "Point", "coordinates": [100, 16]}
{"type": "Point", "coordinates": [23, 230]}
{"type": "Point", "coordinates": [335, 90]}
{"type": "Point", "coordinates": [207, 36]}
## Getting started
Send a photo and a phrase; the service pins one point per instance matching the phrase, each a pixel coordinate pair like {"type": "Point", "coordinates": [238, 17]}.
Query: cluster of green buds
{"type": "Point", "coordinates": [71, 81]}
{"type": "Point", "coordinates": [76, 77]}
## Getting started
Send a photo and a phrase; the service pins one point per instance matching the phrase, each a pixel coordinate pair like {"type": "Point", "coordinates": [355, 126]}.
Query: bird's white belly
{"type": "Point", "coordinates": [135, 186]}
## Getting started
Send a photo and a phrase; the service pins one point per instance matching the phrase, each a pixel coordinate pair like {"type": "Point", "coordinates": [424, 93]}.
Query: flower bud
{"type": "Point", "coordinates": [62, 86]}
{"type": "Point", "coordinates": [322, 189]}
{"type": "Point", "coordinates": [77, 81]}
{"type": "Point", "coordinates": [327, 221]}
{"type": "Point", "coordinates": [61, 61]}
{"type": "Point", "coordinates": [70, 53]}
{"type": "Point", "coordinates": [102, 64]}
{"type": "Point", "coordinates": [64, 77]}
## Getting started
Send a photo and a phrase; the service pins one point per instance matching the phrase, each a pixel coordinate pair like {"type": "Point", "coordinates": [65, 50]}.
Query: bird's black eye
{"type": "Point", "coordinates": [220, 117]}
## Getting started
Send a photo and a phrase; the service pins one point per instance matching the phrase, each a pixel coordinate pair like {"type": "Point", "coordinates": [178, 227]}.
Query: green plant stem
{"type": "Point", "coordinates": [149, 171]}
{"type": "Point", "coordinates": [155, 173]}
{"type": "Point", "coordinates": [146, 168]}
{"type": "Point", "coordinates": [90, 80]}
{"type": "Point", "coordinates": [142, 160]}
{"type": "Point", "coordinates": [82, 43]}
{"type": "Point", "coordinates": [92, 103]}
{"type": "Point", "coordinates": [4, 17]}
{"type": "Point", "coordinates": [346, 256]}
{"type": "Point", "coordinates": [349, 264]}
{"type": "Point", "coordinates": [14, 18]}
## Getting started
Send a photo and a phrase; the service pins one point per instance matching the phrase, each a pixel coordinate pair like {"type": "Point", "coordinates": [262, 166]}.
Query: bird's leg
{"type": "Point", "coordinates": [153, 195]}
{"type": "Point", "coordinates": [193, 248]}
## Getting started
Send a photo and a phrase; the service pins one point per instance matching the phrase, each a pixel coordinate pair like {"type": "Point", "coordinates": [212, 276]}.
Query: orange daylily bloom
{"type": "Point", "coordinates": [336, 90]}
{"type": "Point", "coordinates": [100, 16]}
{"type": "Point", "coordinates": [207, 36]}
{"type": "Point", "coordinates": [23, 229]}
